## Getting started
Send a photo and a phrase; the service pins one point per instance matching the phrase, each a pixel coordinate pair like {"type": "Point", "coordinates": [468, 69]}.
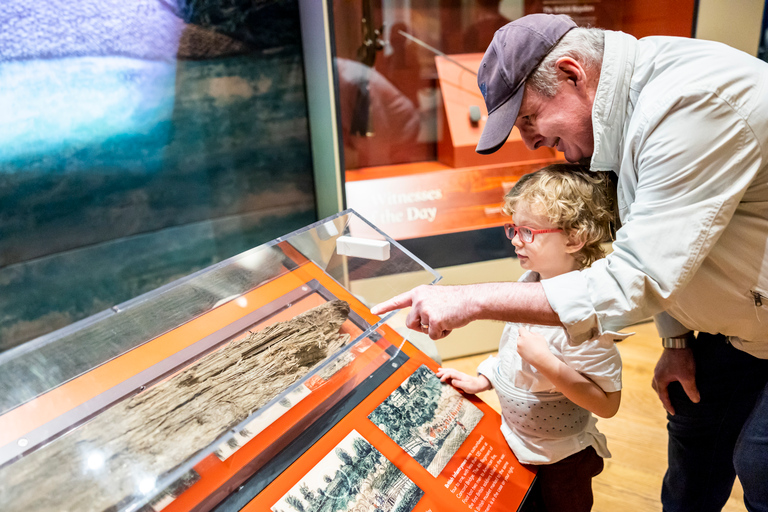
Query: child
{"type": "Point", "coordinates": [549, 389]}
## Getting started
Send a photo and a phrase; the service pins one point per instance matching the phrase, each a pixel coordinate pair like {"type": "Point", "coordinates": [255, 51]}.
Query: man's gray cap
{"type": "Point", "coordinates": [516, 50]}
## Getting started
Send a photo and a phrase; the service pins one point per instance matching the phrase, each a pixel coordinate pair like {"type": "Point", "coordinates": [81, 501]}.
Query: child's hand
{"type": "Point", "coordinates": [463, 381]}
{"type": "Point", "coordinates": [532, 347]}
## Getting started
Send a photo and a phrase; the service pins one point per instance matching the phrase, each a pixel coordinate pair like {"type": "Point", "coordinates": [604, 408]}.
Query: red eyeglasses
{"type": "Point", "coordinates": [526, 233]}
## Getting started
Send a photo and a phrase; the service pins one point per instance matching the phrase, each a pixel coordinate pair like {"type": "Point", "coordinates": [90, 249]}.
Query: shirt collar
{"type": "Point", "coordinates": [612, 106]}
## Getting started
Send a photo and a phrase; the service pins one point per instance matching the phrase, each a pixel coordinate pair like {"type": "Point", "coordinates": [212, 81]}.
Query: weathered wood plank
{"type": "Point", "coordinates": [109, 459]}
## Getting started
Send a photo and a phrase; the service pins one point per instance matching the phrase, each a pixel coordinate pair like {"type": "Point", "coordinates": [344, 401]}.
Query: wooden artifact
{"type": "Point", "coordinates": [117, 456]}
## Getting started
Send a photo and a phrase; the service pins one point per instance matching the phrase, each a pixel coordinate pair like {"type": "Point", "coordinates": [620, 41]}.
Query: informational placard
{"type": "Point", "coordinates": [436, 200]}
{"type": "Point", "coordinates": [586, 13]}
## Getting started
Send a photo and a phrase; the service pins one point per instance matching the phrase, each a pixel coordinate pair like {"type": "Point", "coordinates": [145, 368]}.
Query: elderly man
{"type": "Point", "coordinates": [684, 125]}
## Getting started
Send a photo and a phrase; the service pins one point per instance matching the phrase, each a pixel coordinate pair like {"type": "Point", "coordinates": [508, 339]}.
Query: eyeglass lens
{"type": "Point", "coordinates": [525, 234]}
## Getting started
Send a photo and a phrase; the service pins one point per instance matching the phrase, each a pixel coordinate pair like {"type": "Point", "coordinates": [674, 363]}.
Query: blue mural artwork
{"type": "Point", "coordinates": [139, 142]}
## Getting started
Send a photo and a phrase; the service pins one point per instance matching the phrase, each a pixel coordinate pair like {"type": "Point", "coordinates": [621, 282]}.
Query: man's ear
{"type": "Point", "coordinates": [574, 244]}
{"type": "Point", "coordinates": [572, 71]}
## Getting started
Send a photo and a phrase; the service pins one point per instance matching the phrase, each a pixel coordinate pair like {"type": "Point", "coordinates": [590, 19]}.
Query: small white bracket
{"type": "Point", "coordinates": [362, 248]}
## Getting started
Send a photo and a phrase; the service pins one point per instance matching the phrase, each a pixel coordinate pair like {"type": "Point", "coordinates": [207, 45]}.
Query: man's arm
{"type": "Point", "coordinates": [676, 364]}
{"type": "Point", "coordinates": [694, 157]}
{"type": "Point", "coordinates": [438, 310]}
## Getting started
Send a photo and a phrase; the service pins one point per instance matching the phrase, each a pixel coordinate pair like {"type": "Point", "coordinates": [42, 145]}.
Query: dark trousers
{"type": "Point", "coordinates": [565, 486]}
{"type": "Point", "coordinates": [725, 434]}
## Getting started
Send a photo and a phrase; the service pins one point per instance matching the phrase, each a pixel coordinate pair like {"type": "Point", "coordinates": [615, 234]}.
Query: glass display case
{"type": "Point", "coordinates": [127, 409]}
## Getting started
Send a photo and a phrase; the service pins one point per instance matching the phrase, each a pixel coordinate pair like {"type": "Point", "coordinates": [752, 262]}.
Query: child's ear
{"type": "Point", "coordinates": [574, 243]}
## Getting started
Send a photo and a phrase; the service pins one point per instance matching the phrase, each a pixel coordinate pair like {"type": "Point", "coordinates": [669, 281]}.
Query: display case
{"type": "Point", "coordinates": [411, 112]}
{"type": "Point", "coordinates": [260, 383]}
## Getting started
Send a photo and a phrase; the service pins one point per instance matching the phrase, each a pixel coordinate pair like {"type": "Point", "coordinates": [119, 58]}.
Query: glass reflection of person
{"type": "Point", "coordinates": [401, 66]}
{"type": "Point", "coordinates": [486, 21]}
{"type": "Point", "coordinates": [367, 98]}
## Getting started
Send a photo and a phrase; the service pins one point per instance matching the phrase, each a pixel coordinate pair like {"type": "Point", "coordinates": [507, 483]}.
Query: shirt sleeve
{"type": "Point", "coordinates": [667, 326]}
{"type": "Point", "coordinates": [598, 359]}
{"type": "Point", "coordinates": [488, 368]}
{"type": "Point", "coordinates": [692, 159]}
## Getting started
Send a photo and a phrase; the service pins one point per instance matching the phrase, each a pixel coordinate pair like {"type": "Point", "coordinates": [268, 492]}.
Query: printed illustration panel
{"type": "Point", "coordinates": [428, 419]}
{"type": "Point", "coordinates": [355, 476]}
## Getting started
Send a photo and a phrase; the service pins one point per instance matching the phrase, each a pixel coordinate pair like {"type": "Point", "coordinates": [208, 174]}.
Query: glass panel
{"type": "Point", "coordinates": [42, 364]}
{"type": "Point", "coordinates": [139, 442]}
{"type": "Point", "coordinates": [412, 114]}
{"type": "Point", "coordinates": [390, 99]}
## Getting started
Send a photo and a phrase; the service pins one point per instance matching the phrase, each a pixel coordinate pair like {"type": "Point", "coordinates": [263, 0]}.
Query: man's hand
{"type": "Point", "coordinates": [435, 310]}
{"type": "Point", "coordinates": [467, 383]}
{"type": "Point", "coordinates": [675, 365]}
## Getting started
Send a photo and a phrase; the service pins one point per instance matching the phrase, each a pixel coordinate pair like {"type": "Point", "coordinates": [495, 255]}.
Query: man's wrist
{"type": "Point", "coordinates": [682, 341]}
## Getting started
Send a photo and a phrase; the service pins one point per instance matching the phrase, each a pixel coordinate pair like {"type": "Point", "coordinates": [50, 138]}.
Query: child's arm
{"type": "Point", "coordinates": [579, 389]}
{"type": "Point", "coordinates": [463, 381]}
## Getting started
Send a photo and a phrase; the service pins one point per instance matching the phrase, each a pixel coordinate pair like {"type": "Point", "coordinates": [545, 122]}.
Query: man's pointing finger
{"type": "Point", "coordinates": [399, 302]}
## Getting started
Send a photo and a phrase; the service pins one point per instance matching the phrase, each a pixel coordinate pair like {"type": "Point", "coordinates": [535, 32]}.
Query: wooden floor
{"type": "Point", "coordinates": [637, 436]}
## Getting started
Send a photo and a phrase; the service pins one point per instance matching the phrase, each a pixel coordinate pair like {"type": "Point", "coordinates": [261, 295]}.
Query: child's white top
{"type": "Point", "coordinates": [540, 424]}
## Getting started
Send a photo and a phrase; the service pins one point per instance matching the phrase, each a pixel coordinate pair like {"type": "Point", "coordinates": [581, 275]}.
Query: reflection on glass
{"type": "Point", "coordinates": [390, 81]}
{"type": "Point", "coordinates": [396, 88]}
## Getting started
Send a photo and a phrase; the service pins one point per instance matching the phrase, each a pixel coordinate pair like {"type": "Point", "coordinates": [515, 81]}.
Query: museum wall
{"type": "Point", "coordinates": [140, 142]}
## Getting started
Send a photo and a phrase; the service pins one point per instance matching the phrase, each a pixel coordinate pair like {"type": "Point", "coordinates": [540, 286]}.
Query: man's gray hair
{"type": "Point", "coordinates": [582, 44]}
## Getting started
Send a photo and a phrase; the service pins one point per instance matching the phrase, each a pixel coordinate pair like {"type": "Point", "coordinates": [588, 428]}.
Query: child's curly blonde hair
{"type": "Point", "coordinates": [573, 199]}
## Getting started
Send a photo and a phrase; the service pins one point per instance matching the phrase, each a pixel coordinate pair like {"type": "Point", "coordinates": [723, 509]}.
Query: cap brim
{"type": "Point", "coordinates": [499, 124]}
